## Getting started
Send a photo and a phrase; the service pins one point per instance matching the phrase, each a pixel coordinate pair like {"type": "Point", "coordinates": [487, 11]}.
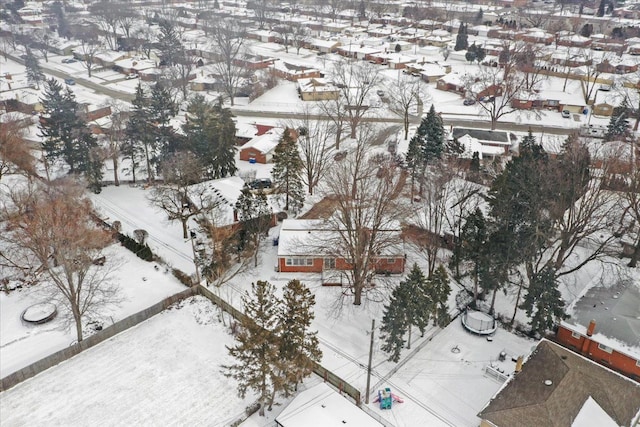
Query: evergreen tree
{"type": "Point", "coordinates": [410, 305]}
{"type": "Point", "coordinates": [91, 161]}
{"type": "Point", "coordinates": [619, 122]}
{"type": "Point", "coordinates": [256, 352]}
{"type": "Point", "coordinates": [479, 16]}
{"type": "Point", "coordinates": [473, 239]}
{"type": "Point", "coordinates": [61, 126]}
{"type": "Point", "coordinates": [415, 155]}
{"type": "Point", "coordinates": [169, 42]}
{"type": "Point", "coordinates": [462, 39]}
{"type": "Point", "coordinates": [161, 109]}
{"type": "Point", "coordinates": [587, 30]}
{"type": "Point", "coordinates": [254, 215]}
{"type": "Point", "coordinates": [394, 324]}
{"type": "Point", "coordinates": [453, 148]}
{"type": "Point", "coordinates": [474, 167]}
{"type": "Point", "coordinates": [287, 171]}
{"type": "Point", "coordinates": [298, 345]}
{"type": "Point", "coordinates": [433, 143]}
{"type": "Point", "coordinates": [543, 302]}
{"type": "Point", "coordinates": [210, 132]}
{"type": "Point", "coordinates": [141, 140]}
{"type": "Point", "coordinates": [34, 71]}
{"type": "Point", "coordinates": [439, 290]}
{"type": "Point", "coordinates": [600, 12]}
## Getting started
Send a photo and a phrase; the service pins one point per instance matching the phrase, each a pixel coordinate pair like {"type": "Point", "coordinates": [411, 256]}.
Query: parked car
{"type": "Point", "coordinates": [566, 114]}
{"type": "Point", "coordinates": [131, 76]}
{"type": "Point", "coordinates": [380, 93]}
{"type": "Point", "coordinates": [469, 101]}
{"type": "Point", "coordinates": [69, 60]}
{"type": "Point", "coordinates": [261, 184]}
{"type": "Point", "coordinates": [69, 81]}
{"type": "Point", "coordinates": [605, 88]}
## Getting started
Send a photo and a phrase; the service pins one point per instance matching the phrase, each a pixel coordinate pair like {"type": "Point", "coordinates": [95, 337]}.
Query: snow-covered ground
{"type": "Point", "coordinates": [164, 371]}
{"type": "Point", "coordinates": [140, 286]}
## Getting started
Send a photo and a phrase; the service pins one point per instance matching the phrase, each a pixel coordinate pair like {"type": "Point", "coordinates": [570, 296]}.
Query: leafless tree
{"type": "Point", "coordinates": [357, 81]}
{"type": "Point", "coordinates": [404, 95]}
{"type": "Point", "coordinates": [107, 18]}
{"type": "Point", "coordinates": [299, 36]}
{"type": "Point", "coordinates": [315, 148]}
{"type": "Point", "coordinates": [228, 38]}
{"type": "Point", "coordinates": [89, 48]}
{"type": "Point", "coordinates": [50, 230]}
{"type": "Point", "coordinates": [41, 42]}
{"type": "Point", "coordinates": [15, 155]}
{"type": "Point", "coordinates": [366, 219]}
{"type": "Point", "coordinates": [177, 196]}
{"type": "Point", "coordinates": [590, 72]}
{"type": "Point", "coordinates": [116, 134]}
{"type": "Point", "coordinates": [126, 18]}
{"type": "Point", "coordinates": [629, 203]}
{"type": "Point", "coordinates": [500, 85]}
{"type": "Point", "coordinates": [262, 12]}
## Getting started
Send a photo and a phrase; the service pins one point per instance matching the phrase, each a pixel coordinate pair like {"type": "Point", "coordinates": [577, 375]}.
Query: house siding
{"type": "Point", "coordinates": [588, 347]}
{"type": "Point", "coordinates": [383, 265]}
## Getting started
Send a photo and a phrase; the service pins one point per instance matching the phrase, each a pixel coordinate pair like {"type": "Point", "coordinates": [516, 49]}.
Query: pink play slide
{"type": "Point", "coordinates": [396, 398]}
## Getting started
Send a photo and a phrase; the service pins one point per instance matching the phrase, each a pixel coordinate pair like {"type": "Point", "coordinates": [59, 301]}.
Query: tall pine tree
{"type": "Point", "coordinates": [439, 291]}
{"type": "Point", "coordinates": [473, 239]}
{"type": "Point", "coordinates": [255, 216]}
{"type": "Point", "coordinates": [141, 141]}
{"type": "Point", "coordinates": [256, 352]}
{"type": "Point", "coordinates": [619, 122]}
{"type": "Point", "coordinates": [34, 72]}
{"type": "Point", "coordinates": [287, 172]}
{"type": "Point", "coordinates": [462, 39]}
{"type": "Point", "coordinates": [543, 302]}
{"type": "Point", "coordinates": [298, 345]}
{"type": "Point", "coordinates": [210, 132]}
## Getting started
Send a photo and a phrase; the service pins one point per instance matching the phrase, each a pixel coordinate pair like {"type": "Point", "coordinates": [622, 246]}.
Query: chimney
{"type": "Point", "coordinates": [519, 364]}
{"type": "Point", "coordinates": [591, 328]}
{"type": "Point", "coordinates": [235, 215]}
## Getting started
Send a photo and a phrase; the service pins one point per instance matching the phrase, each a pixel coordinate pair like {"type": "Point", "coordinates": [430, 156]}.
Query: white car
{"type": "Point", "coordinates": [566, 114]}
{"type": "Point", "coordinates": [131, 76]}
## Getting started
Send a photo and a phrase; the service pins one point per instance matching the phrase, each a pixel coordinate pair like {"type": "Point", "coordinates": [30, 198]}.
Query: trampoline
{"type": "Point", "coordinates": [478, 322]}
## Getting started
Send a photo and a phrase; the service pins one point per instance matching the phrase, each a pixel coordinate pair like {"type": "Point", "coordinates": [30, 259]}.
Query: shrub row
{"type": "Point", "coordinates": [141, 251]}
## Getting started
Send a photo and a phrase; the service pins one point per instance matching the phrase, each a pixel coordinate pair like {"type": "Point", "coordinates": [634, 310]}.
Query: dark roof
{"type": "Point", "coordinates": [481, 135]}
{"type": "Point", "coordinates": [527, 401]}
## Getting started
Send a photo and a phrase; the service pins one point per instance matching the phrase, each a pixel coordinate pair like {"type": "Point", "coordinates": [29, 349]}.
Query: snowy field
{"type": "Point", "coordinates": [140, 284]}
{"type": "Point", "coordinates": [164, 371]}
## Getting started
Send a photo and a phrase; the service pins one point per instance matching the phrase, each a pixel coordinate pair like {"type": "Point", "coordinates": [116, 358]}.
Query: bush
{"type": "Point", "coordinates": [183, 277]}
{"type": "Point", "coordinates": [141, 251]}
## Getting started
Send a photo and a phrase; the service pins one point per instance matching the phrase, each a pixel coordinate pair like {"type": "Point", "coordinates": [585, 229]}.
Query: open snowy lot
{"type": "Point", "coordinates": [140, 285]}
{"type": "Point", "coordinates": [165, 371]}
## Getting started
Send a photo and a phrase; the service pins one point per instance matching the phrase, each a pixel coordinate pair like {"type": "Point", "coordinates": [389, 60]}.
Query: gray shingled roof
{"type": "Point", "coordinates": [526, 400]}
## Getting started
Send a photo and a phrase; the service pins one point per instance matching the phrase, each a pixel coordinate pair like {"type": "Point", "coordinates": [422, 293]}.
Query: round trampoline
{"type": "Point", "coordinates": [478, 322]}
{"type": "Point", "coordinates": [40, 313]}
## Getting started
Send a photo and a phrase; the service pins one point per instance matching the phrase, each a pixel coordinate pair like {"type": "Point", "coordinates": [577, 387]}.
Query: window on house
{"type": "Point", "coordinates": [391, 260]}
{"type": "Point", "coordinates": [329, 263]}
{"type": "Point", "coordinates": [299, 262]}
{"type": "Point", "coordinates": [605, 348]}
{"type": "Point", "coordinates": [576, 335]}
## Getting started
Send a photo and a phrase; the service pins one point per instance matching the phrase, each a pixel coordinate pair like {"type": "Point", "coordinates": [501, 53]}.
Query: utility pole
{"type": "Point", "coordinates": [373, 328]}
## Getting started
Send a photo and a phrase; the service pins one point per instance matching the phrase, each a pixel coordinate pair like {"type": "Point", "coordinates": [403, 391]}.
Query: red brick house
{"type": "Point", "coordinates": [293, 72]}
{"type": "Point", "coordinates": [598, 348]}
{"type": "Point", "coordinates": [260, 149]}
{"type": "Point", "coordinates": [302, 249]}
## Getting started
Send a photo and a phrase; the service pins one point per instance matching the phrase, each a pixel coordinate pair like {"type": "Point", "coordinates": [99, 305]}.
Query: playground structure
{"type": "Point", "coordinates": [386, 398]}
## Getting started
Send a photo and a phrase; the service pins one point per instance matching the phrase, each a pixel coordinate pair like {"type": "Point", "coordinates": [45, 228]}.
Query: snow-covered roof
{"type": "Point", "coordinates": [592, 414]}
{"type": "Point", "coordinates": [266, 142]}
{"type": "Point", "coordinates": [226, 191]}
{"type": "Point", "coordinates": [323, 406]}
{"type": "Point", "coordinates": [316, 85]}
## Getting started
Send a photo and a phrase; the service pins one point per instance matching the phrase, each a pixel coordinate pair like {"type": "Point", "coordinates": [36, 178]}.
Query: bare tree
{"type": "Point", "coordinates": [51, 230]}
{"type": "Point", "coordinates": [117, 134]}
{"type": "Point", "coordinates": [356, 81]}
{"type": "Point", "coordinates": [365, 224]}
{"type": "Point", "coordinates": [299, 36]}
{"type": "Point", "coordinates": [15, 155]}
{"type": "Point", "coordinates": [127, 16]}
{"type": "Point", "coordinates": [228, 38]}
{"type": "Point", "coordinates": [41, 42]}
{"type": "Point", "coordinates": [107, 19]}
{"type": "Point", "coordinates": [404, 95]}
{"type": "Point", "coordinates": [315, 149]}
{"type": "Point", "coordinates": [498, 85]}
{"type": "Point", "coordinates": [177, 196]}
{"type": "Point", "coordinates": [629, 204]}
{"type": "Point", "coordinates": [89, 48]}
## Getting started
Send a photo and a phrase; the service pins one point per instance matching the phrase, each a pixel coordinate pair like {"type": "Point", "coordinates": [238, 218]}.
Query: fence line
{"type": "Point", "coordinates": [95, 339]}
{"type": "Point", "coordinates": [122, 325]}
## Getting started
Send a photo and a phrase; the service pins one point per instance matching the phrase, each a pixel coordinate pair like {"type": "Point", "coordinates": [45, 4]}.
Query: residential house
{"type": "Point", "coordinates": [537, 36]}
{"type": "Point", "coordinates": [317, 89]}
{"type": "Point", "coordinates": [573, 40]}
{"type": "Point", "coordinates": [493, 142]}
{"type": "Point", "coordinates": [451, 82]}
{"type": "Point", "coordinates": [302, 248]}
{"type": "Point", "coordinates": [245, 132]}
{"type": "Point", "coordinates": [326, 407]}
{"type": "Point", "coordinates": [293, 72]}
{"type": "Point", "coordinates": [324, 46]}
{"type": "Point", "coordinates": [557, 387]}
{"type": "Point", "coordinates": [254, 62]}
{"type": "Point", "coordinates": [431, 72]}
{"type": "Point", "coordinates": [260, 149]}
